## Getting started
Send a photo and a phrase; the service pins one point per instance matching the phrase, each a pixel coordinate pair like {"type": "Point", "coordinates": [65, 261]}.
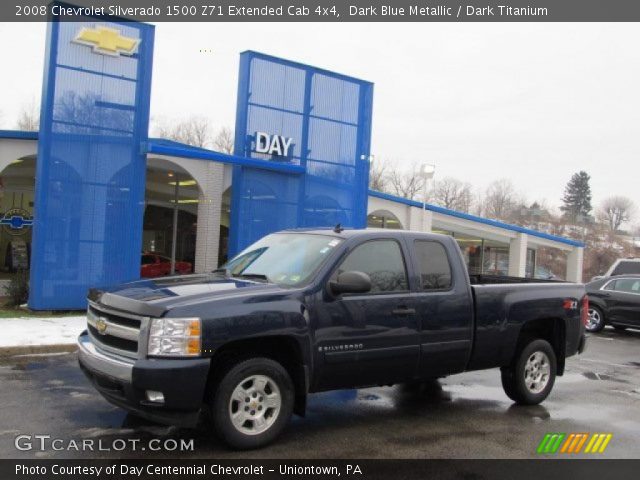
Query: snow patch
{"type": "Point", "coordinates": [23, 331]}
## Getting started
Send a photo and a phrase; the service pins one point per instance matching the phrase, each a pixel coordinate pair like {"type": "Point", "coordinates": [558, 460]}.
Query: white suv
{"type": "Point", "coordinates": [622, 266]}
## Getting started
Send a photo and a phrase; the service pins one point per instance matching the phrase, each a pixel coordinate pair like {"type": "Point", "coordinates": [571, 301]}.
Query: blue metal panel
{"type": "Point", "coordinates": [328, 118]}
{"type": "Point", "coordinates": [169, 147]}
{"type": "Point", "coordinates": [90, 173]}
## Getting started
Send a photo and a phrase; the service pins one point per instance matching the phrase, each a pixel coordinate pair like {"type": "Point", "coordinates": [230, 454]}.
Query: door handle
{"type": "Point", "coordinates": [403, 311]}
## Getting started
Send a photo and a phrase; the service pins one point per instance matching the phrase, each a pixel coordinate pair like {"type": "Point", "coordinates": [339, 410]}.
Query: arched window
{"type": "Point", "coordinates": [383, 219]}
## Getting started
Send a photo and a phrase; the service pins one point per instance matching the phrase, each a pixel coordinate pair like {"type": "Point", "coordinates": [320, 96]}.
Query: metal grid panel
{"type": "Point", "coordinates": [90, 172]}
{"type": "Point", "coordinates": [335, 99]}
{"type": "Point", "coordinates": [328, 118]}
{"type": "Point", "coordinates": [268, 202]}
{"type": "Point", "coordinates": [263, 119]}
{"type": "Point", "coordinates": [341, 150]}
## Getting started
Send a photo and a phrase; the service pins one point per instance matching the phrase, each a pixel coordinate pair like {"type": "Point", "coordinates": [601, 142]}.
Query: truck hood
{"type": "Point", "coordinates": [155, 297]}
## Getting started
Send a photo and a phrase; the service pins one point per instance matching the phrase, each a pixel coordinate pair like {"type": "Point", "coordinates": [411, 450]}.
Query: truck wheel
{"type": "Point", "coordinates": [529, 380]}
{"type": "Point", "coordinates": [252, 403]}
{"type": "Point", "coordinates": [595, 320]}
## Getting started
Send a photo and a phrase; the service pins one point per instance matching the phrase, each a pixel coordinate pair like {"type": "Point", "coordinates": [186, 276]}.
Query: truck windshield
{"type": "Point", "coordinates": [284, 258]}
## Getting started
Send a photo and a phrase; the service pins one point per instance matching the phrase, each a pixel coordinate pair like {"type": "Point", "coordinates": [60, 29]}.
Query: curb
{"type": "Point", "coordinates": [36, 349]}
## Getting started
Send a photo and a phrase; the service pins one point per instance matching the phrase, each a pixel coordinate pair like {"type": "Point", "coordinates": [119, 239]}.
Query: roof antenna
{"type": "Point", "coordinates": [338, 228]}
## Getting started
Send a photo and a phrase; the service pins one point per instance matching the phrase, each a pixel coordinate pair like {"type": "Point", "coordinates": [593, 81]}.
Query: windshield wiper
{"type": "Point", "coordinates": [253, 276]}
{"type": "Point", "coordinates": [225, 271]}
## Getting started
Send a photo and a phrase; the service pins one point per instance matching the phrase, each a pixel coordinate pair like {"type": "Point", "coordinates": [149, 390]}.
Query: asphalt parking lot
{"type": "Point", "coordinates": [464, 416]}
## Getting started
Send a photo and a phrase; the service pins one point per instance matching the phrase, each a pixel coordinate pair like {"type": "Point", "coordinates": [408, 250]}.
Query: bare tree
{"type": "Point", "coordinates": [194, 131]}
{"type": "Point", "coordinates": [598, 259]}
{"type": "Point", "coordinates": [454, 194]}
{"type": "Point", "coordinates": [28, 118]}
{"type": "Point", "coordinates": [406, 183]}
{"type": "Point", "coordinates": [224, 141]}
{"type": "Point", "coordinates": [378, 173]}
{"type": "Point", "coordinates": [615, 211]}
{"type": "Point", "coordinates": [500, 199]}
{"type": "Point", "coordinates": [478, 204]}
{"type": "Point", "coordinates": [75, 111]}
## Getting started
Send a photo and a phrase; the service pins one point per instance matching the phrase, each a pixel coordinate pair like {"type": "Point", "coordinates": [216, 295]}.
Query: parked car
{"type": "Point", "coordinates": [154, 265]}
{"type": "Point", "coordinates": [304, 311]}
{"type": "Point", "coordinates": [614, 301]}
{"type": "Point", "coordinates": [622, 266]}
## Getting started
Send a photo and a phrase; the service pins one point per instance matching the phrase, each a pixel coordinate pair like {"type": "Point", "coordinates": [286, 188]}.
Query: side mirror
{"type": "Point", "coordinates": [351, 282]}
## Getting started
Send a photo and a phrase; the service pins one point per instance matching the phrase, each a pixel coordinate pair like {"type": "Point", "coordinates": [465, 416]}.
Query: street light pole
{"type": "Point", "coordinates": [427, 171]}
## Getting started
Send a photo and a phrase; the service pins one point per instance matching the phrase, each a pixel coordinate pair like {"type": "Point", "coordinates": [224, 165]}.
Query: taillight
{"type": "Point", "coordinates": [584, 314]}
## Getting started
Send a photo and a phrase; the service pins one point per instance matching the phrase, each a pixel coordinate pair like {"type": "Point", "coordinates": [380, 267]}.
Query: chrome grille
{"type": "Point", "coordinates": [113, 331]}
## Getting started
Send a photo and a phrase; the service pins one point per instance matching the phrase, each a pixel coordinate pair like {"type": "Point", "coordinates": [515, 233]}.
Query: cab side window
{"type": "Point", "coordinates": [383, 261]}
{"type": "Point", "coordinates": [433, 265]}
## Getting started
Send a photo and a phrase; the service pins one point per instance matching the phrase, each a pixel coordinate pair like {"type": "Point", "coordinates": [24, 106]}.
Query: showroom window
{"type": "Point", "coordinates": [383, 219]}
{"type": "Point", "coordinates": [16, 217]}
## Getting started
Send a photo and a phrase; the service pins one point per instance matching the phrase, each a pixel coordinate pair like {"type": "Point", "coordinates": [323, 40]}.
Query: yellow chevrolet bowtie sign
{"type": "Point", "coordinates": [107, 41]}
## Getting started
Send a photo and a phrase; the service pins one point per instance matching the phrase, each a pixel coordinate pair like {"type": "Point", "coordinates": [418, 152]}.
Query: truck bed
{"type": "Point", "coordinates": [503, 304]}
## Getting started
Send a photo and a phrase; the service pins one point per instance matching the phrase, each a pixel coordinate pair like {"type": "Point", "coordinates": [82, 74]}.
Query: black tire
{"type": "Point", "coordinates": [519, 385]}
{"type": "Point", "coordinates": [596, 320]}
{"type": "Point", "coordinates": [248, 435]}
{"type": "Point", "coordinates": [619, 327]}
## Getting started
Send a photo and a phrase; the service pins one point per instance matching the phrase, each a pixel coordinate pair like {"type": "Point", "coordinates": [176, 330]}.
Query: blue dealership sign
{"type": "Point", "coordinates": [90, 172]}
{"type": "Point", "coordinates": [296, 114]}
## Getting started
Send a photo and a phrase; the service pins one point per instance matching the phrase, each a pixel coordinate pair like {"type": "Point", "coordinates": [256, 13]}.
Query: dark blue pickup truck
{"type": "Point", "coordinates": [304, 311]}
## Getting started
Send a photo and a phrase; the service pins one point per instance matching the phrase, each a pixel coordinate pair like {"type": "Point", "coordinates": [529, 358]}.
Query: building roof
{"type": "Point", "coordinates": [18, 134]}
{"type": "Point", "coordinates": [475, 218]}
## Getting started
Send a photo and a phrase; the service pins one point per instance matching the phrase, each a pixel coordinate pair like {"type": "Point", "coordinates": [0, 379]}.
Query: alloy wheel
{"type": "Point", "coordinates": [255, 404]}
{"type": "Point", "coordinates": [593, 320]}
{"type": "Point", "coordinates": [537, 372]}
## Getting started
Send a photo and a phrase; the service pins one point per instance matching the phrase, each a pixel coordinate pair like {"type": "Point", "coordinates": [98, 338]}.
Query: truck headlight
{"type": "Point", "coordinates": [175, 337]}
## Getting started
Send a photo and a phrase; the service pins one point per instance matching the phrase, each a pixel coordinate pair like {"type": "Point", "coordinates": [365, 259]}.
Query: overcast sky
{"type": "Point", "coordinates": [530, 102]}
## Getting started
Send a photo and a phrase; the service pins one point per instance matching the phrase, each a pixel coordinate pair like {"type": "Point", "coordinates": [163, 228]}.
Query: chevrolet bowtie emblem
{"type": "Point", "coordinates": [101, 326]}
{"type": "Point", "coordinates": [107, 41]}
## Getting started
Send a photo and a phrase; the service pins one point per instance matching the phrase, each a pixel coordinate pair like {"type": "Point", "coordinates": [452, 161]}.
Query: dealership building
{"type": "Point", "coordinates": [83, 197]}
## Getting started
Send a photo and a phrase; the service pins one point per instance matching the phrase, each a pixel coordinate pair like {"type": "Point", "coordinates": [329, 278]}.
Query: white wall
{"type": "Point", "coordinates": [13, 149]}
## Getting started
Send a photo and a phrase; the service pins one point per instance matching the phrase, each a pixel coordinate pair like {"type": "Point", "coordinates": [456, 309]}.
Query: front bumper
{"type": "Point", "coordinates": [124, 382]}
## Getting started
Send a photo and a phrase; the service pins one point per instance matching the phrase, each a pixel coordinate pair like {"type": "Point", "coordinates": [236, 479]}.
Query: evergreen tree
{"type": "Point", "coordinates": [577, 196]}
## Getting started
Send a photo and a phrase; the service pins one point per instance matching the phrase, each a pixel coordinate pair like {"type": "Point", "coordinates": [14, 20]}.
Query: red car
{"type": "Point", "coordinates": [154, 265]}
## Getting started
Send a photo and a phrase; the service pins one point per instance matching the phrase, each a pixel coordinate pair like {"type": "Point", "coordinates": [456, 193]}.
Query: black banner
{"type": "Point", "coordinates": [304, 469]}
{"type": "Point", "coordinates": [328, 10]}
